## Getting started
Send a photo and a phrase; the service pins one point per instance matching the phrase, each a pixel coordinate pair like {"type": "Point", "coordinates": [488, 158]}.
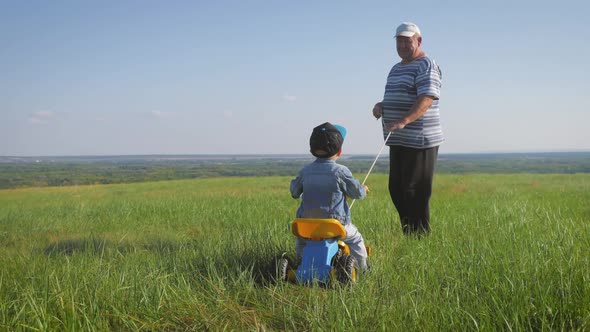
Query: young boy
{"type": "Point", "coordinates": [324, 185]}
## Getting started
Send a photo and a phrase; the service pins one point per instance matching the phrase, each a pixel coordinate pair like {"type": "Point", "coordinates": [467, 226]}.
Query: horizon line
{"type": "Point", "coordinates": [277, 154]}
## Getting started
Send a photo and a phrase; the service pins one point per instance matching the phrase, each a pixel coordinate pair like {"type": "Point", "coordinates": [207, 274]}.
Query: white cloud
{"type": "Point", "coordinates": [162, 115]}
{"type": "Point", "coordinates": [44, 114]}
{"type": "Point", "coordinates": [228, 114]}
{"type": "Point", "coordinates": [35, 120]}
{"type": "Point", "coordinates": [289, 98]}
{"type": "Point", "coordinates": [41, 117]}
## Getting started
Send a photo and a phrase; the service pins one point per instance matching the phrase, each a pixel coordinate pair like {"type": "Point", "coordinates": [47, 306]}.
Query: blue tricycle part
{"type": "Point", "coordinates": [317, 260]}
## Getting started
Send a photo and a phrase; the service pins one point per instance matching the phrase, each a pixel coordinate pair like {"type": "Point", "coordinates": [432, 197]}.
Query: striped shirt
{"type": "Point", "coordinates": [404, 84]}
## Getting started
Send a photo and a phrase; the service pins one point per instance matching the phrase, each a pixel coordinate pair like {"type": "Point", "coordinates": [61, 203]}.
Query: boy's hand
{"type": "Point", "coordinates": [366, 189]}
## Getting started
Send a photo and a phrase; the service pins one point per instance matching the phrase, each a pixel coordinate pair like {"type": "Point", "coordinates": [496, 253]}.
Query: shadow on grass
{"type": "Point", "coordinates": [260, 262]}
{"type": "Point", "coordinates": [263, 265]}
{"type": "Point", "coordinates": [99, 246]}
{"type": "Point", "coordinates": [70, 246]}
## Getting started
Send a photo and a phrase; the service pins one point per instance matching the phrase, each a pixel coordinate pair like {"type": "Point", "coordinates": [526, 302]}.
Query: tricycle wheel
{"type": "Point", "coordinates": [347, 270]}
{"type": "Point", "coordinates": [336, 259]}
{"type": "Point", "coordinates": [283, 268]}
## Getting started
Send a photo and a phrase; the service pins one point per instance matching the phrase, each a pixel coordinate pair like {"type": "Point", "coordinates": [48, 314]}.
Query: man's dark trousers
{"type": "Point", "coordinates": [410, 186]}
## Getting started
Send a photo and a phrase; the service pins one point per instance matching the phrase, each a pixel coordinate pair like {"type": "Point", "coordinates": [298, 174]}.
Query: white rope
{"type": "Point", "coordinates": [371, 168]}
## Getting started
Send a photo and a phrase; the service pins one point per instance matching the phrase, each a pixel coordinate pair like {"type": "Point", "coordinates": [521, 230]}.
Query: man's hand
{"type": "Point", "coordinates": [377, 110]}
{"type": "Point", "coordinates": [366, 189]}
{"type": "Point", "coordinates": [418, 109]}
{"type": "Point", "coordinates": [395, 125]}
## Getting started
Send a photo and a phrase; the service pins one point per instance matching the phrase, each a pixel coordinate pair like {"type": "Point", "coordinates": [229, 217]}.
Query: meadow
{"type": "Point", "coordinates": [507, 252]}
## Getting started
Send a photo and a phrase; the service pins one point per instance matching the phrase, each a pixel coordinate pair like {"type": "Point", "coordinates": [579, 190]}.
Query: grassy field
{"type": "Point", "coordinates": [507, 252]}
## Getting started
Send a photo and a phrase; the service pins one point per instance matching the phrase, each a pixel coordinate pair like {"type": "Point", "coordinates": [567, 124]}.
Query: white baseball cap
{"type": "Point", "coordinates": [407, 29]}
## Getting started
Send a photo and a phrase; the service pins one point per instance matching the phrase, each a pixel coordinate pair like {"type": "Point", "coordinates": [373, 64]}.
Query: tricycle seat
{"type": "Point", "coordinates": [318, 229]}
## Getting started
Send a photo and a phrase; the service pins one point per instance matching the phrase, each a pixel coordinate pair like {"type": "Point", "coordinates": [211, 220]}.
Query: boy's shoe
{"type": "Point", "coordinates": [367, 269]}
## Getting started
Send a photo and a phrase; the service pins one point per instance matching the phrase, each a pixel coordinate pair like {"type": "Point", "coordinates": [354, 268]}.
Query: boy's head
{"type": "Point", "coordinates": [326, 140]}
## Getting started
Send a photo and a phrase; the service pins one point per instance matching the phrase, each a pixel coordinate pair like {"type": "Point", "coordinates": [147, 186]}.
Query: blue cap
{"type": "Point", "coordinates": [326, 140]}
{"type": "Point", "coordinates": [342, 130]}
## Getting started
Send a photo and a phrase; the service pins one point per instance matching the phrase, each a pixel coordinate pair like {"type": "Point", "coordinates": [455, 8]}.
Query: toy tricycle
{"type": "Point", "coordinates": [325, 257]}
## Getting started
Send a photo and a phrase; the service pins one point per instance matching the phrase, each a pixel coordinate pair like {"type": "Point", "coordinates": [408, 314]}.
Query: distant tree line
{"type": "Point", "coordinates": [82, 172]}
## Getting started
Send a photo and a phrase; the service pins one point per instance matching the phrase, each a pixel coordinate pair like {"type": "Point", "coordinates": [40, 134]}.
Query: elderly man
{"type": "Point", "coordinates": [409, 111]}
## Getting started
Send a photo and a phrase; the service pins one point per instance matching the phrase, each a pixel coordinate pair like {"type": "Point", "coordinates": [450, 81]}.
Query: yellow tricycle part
{"type": "Point", "coordinates": [318, 229]}
{"type": "Point", "coordinates": [291, 275]}
{"type": "Point", "coordinates": [344, 247]}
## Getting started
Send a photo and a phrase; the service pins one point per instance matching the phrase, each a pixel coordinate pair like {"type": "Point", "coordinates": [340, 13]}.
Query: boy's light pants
{"type": "Point", "coordinates": [353, 239]}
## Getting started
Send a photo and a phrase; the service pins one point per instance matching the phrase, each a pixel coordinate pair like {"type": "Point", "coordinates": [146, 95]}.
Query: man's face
{"type": "Point", "coordinates": [407, 46]}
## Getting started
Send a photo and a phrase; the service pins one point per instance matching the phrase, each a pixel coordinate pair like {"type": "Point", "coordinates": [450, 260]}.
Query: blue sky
{"type": "Point", "coordinates": [254, 77]}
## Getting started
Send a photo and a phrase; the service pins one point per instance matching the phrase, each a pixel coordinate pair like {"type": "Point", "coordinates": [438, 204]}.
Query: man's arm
{"type": "Point", "coordinates": [418, 109]}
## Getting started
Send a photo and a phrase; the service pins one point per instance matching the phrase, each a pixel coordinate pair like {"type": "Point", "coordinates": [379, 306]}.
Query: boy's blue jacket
{"type": "Point", "coordinates": [323, 185]}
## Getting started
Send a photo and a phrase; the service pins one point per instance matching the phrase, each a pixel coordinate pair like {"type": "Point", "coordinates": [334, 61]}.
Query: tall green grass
{"type": "Point", "coordinates": [507, 252]}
